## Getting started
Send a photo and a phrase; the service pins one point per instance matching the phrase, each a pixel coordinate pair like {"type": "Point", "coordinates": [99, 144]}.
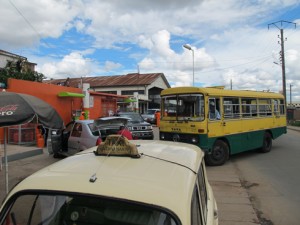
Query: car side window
{"type": "Point", "coordinates": [69, 127]}
{"type": "Point", "coordinates": [77, 130]}
{"type": "Point", "coordinates": [196, 216]}
{"type": "Point", "coordinates": [203, 191]}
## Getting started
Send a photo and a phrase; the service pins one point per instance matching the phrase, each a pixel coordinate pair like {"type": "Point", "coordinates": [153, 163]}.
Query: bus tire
{"type": "Point", "coordinates": [267, 143]}
{"type": "Point", "coordinates": [218, 155]}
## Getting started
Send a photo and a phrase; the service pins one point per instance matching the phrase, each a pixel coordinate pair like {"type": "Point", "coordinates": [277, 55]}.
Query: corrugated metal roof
{"type": "Point", "coordinates": [132, 79]}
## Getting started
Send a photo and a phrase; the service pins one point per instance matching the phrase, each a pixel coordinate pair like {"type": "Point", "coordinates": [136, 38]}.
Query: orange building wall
{"type": "Point", "coordinates": [49, 93]}
{"type": "Point", "coordinates": [103, 103]}
{"type": "Point", "coordinates": [96, 111]}
{"type": "Point", "coordinates": [100, 108]}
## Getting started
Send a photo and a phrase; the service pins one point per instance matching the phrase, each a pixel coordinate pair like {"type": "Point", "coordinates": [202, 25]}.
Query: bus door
{"type": "Point", "coordinates": [215, 123]}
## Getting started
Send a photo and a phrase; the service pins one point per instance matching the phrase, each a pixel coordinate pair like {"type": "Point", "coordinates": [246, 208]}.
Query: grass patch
{"type": "Point", "coordinates": [295, 123]}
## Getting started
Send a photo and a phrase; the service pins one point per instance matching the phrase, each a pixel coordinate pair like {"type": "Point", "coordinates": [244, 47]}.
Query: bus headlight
{"type": "Point", "coordinates": [194, 140]}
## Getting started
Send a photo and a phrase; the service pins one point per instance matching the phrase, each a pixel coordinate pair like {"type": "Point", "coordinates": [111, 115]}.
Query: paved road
{"type": "Point", "coordinates": [232, 195]}
{"type": "Point", "coordinates": [273, 180]}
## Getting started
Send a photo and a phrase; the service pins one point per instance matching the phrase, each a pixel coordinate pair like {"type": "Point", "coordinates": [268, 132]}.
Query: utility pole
{"type": "Point", "coordinates": [282, 53]}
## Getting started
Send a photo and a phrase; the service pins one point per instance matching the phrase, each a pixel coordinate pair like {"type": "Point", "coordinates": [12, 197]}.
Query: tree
{"type": "Point", "coordinates": [18, 71]}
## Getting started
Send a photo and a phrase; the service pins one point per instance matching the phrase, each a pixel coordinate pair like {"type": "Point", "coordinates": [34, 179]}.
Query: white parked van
{"type": "Point", "coordinates": [119, 182]}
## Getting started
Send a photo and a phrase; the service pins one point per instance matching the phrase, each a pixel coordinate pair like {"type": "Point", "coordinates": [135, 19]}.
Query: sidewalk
{"type": "Point", "coordinates": [295, 128]}
{"type": "Point", "coordinates": [233, 201]}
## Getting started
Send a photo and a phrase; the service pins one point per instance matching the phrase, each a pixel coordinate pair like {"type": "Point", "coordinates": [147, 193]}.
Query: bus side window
{"type": "Point", "coordinates": [249, 107]}
{"type": "Point", "coordinates": [231, 107]}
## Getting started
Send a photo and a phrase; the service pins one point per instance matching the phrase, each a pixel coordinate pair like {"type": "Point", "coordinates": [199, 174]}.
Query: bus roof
{"type": "Point", "coordinates": [164, 175]}
{"type": "Point", "coordinates": [212, 91]}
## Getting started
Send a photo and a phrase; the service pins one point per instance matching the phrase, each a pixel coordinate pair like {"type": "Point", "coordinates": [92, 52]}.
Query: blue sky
{"type": "Point", "coordinates": [230, 39]}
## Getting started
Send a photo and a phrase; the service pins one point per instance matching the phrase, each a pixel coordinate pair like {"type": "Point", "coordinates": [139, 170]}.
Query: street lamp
{"type": "Point", "coordinates": [190, 48]}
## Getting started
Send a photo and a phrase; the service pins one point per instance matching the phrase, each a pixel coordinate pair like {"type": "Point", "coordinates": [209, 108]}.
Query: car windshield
{"type": "Point", "coordinates": [43, 209]}
{"type": "Point", "coordinates": [94, 129]}
{"type": "Point", "coordinates": [134, 117]}
{"type": "Point", "coordinates": [183, 107]}
{"type": "Point", "coordinates": [151, 111]}
{"type": "Point", "coordinates": [104, 130]}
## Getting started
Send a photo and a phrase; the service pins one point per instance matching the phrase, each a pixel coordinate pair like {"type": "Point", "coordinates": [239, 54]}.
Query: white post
{"type": "Point", "coordinates": [86, 99]}
{"type": "Point", "coordinates": [136, 104]}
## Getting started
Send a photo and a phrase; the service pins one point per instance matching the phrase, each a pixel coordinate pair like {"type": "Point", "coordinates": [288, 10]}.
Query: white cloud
{"type": "Point", "coordinates": [178, 67]}
{"type": "Point", "coordinates": [230, 39]}
{"type": "Point", "coordinates": [25, 24]}
{"type": "Point", "coordinates": [73, 65]}
{"type": "Point", "coordinates": [110, 66]}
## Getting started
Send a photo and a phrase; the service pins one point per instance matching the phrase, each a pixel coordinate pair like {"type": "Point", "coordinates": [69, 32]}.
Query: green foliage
{"type": "Point", "coordinates": [13, 70]}
{"type": "Point", "coordinates": [295, 123]}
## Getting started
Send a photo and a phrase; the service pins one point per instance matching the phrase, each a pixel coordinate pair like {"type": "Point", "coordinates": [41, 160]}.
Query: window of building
{"type": "Point", "coordinates": [109, 92]}
{"type": "Point", "coordinates": [131, 92]}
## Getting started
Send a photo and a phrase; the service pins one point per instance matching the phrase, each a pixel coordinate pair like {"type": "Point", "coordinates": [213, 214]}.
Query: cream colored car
{"type": "Point", "coordinates": [119, 182]}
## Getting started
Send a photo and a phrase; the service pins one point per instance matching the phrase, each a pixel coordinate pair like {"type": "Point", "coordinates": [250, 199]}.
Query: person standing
{"type": "Point", "coordinates": [125, 132]}
{"type": "Point", "coordinates": [157, 117]}
{"type": "Point", "coordinates": [82, 116]}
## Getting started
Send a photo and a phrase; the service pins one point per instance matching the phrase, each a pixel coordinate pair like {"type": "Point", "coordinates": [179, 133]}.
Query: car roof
{"type": "Point", "coordinates": [102, 121]}
{"type": "Point", "coordinates": [112, 120]}
{"type": "Point", "coordinates": [84, 121]}
{"type": "Point", "coordinates": [128, 113]}
{"type": "Point", "coordinates": [164, 175]}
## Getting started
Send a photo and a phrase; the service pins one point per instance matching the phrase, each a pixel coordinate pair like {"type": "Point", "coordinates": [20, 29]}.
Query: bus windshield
{"type": "Point", "coordinates": [183, 107]}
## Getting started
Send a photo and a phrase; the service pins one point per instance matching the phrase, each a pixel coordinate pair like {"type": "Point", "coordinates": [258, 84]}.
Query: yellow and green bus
{"type": "Point", "coordinates": [222, 122]}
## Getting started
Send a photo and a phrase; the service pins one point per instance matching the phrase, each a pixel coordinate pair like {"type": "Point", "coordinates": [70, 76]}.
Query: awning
{"type": "Point", "coordinates": [70, 94]}
{"type": "Point", "coordinates": [128, 100]}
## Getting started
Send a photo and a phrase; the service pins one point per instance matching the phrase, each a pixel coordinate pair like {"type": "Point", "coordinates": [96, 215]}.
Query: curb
{"type": "Point", "coordinates": [23, 155]}
{"type": "Point", "coordinates": [293, 128]}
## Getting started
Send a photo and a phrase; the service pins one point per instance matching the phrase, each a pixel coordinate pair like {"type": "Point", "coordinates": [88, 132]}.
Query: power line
{"type": "Point", "coordinates": [32, 27]}
{"type": "Point", "coordinates": [28, 22]}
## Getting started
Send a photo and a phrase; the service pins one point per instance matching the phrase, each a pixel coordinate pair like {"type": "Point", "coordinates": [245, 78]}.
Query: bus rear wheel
{"type": "Point", "coordinates": [219, 154]}
{"type": "Point", "coordinates": [267, 143]}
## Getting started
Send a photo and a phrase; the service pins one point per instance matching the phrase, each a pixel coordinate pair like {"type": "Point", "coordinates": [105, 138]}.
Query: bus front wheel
{"type": "Point", "coordinates": [218, 155]}
{"type": "Point", "coordinates": [267, 143]}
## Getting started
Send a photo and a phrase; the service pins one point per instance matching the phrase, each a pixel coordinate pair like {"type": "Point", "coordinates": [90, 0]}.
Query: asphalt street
{"type": "Point", "coordinates": [232, 198]}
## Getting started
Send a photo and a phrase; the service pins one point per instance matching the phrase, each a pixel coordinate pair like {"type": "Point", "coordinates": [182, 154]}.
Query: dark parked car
{"type": "Point", "coordinates": [139, 128]}
{"type": "Point", "coordinates": [83, 134]}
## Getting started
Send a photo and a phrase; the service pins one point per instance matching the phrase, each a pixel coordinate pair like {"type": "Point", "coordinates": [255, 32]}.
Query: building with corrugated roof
{"type": "Point", "coordinates": [143, 90]}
